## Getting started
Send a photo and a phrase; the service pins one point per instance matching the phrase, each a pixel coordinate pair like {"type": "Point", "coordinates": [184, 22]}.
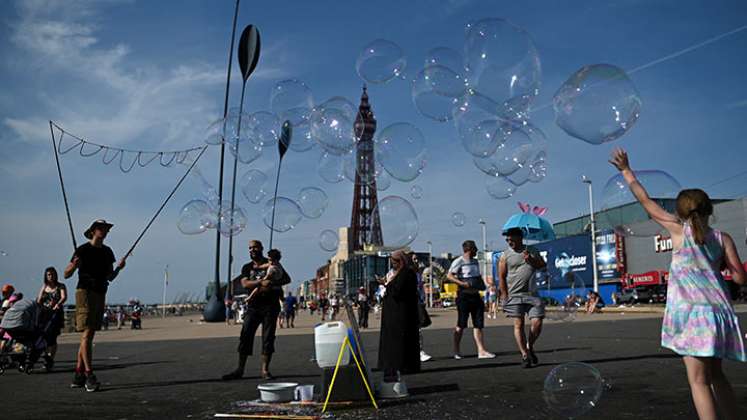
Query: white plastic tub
{"type": "Point", "coordinates": [328, 338]}
{"type": "Point", "coordinates": [277, 391]}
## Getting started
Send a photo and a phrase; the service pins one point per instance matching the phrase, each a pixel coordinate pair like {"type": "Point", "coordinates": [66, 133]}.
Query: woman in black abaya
{"type": "Point", "coordinates": [399, 347]}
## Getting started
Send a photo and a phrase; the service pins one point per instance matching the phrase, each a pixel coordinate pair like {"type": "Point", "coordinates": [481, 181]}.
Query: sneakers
{"type": "Point", "coordinates": [236, 374]}
{"type": "Point", "coordinates": [92, 384]}
{"type": "Point", "coordinates": [525, 362]}
{"type": "Point", "coordinates": [79, 380]}
{"type": "Point", "coordinates": [457, 356]}
{"type": "Point", "coordinates": [424, 357]}
{"type": "Point", "coordinates": [486, 355]}
{"type": "Point", "coordinates": [48, 363]}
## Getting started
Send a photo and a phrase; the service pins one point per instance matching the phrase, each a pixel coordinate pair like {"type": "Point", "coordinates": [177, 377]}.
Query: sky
{"type": "Point", "coordinates": [151, 75]}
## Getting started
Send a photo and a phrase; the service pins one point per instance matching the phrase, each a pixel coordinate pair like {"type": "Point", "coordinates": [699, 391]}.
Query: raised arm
{"type": "Point", "coordinates": [669, 221]}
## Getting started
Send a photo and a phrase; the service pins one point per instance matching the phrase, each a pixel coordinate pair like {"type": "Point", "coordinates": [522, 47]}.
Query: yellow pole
{"type": "Point", "coordinates": [334, 375]}
{"type": "Point", "coordinates": [363, 377]}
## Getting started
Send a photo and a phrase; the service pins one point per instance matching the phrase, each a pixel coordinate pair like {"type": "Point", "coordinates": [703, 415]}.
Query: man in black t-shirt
{"type": "Point", "coordinates": [262, 309]}
{"type": "Point", "coordinates": [93, 260]}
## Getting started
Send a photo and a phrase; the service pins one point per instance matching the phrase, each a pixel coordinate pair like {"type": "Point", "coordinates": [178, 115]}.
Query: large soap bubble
{"type": "Point", "coordinates": [287, 214]}
{"type": "Point", "coordinates": [232, 223]}
{"type": "Point", "coordinates": [291, 100]}
{"type": "Point", "coordinates": [383, 180]}
{"type": "Point", "coordinates": [246, 151]}
{"type": "Point", "coordinates": [380, 61]}
{"type": "Point", "coordinates": [659, 185]}
{"type": "Point", "coordinates": [499, 187]}
{"type": "Point", "coordinates": [572, 389]}
{"type": "Point", "coordinates": [194, 218]}
{"type": "Point", "coordinates": [400, 148]}
{"type": "Point", "coordinates": [478, 126]}
{"type": "Point", "coordinates": [522, 145]}
{"type": "Point", "coordinates": [332, 128]}
{"type": "Point", "coordinates": [253, 185]}
{"type": "Point", "coordinates": [597, 104]}
{"type": "Point", "coordinates": [426, 96]}
{"type": "Point", "coordinates": [313, 202]}
{"type": "Point", "coordinates": [458, 219]}
{"type": "Point", "coordinates": [399, 221]}
{"type": "Point", "coordinates": [328, 240]}
{"type": "Point", "coordinates": [502, 63]}
{"type": "Point", "coordinates": [265, 128]}
{"type": "Point", "coordinates": [331, 168]}
{"type": "Point", "coordinates": [303, 140]}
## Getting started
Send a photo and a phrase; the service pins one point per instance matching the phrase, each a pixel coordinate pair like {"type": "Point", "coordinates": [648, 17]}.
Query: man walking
{"type": "Point", "coordinates": [93, 260]}
{"type": "Point", "coordinates": [516, 270]}
{"type": "Point", "coordinates": [290, 310]}
{"type": "Point", "coordinates": [262, 309]}
{"type": "Point", "coordinates": [465, 272]}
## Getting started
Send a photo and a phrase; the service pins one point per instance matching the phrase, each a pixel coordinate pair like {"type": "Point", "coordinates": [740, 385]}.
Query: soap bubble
{"type": "Point", "coordinates": [426, 93]}
{"type": "Point", "coordinates": [451, 59]}
{"type": "Point", "coordinates": [287, 214]}
{"type": "Point", "coordinates": [328, 240]}
{"type": "Point", "coordinates": [340, 103]}
{"type": "Point", "coordinates": [380, 61]}
{"type": "Point", "coordinates": [265, 127]}
{"type": "Point", "coordinates": [540, 281]}
{"type": "Point", "coordinates": [416, 192]}
{"type": "Point", "coordinates": [247, 151]}
{"type": "Point", "coordinates": [575, 287]}
{"type": "Point", "coordinates": [572, 389]}
{"type": "Point", "coordinates": [477, 124]}
{"type": "Point", "coordinates": [400, 148]}
{"type": "Point", "coordinates": [253, 185]}
{"type": "Point", "coordinates": [313, 202]}
{"type": "Point", "coordinates": [193, 218]}
{"type": "Point", "coordinates": [291, 100]}
{"type": "Point", "coordinates": [499, 187]}
{"type": "Point", "coordinates": [538, 167]}
{"type": "Point", "coordinates": [232, 223]}
{"type": "Point", "coordinates": [332, 128]}
{"type": "Point", "coordinates": [458, 219]}
{"type": "Point", "coordinates": [659, 185]}
{"type": "Point", "coordinates": [214, 132]}
{"type": "Point", "coordinates": [399, 222]}
{"type": "Point", "coordinates": [383, 180]}
{"type": "Point", "coordinates": [523, 145]}
{"type": "Point", "coordinates": [597, 104]}
{"type": "Point", "coordinates": [331, 167]}
{"type": "Point", "coordinates": [502, 63]}
{"type": "Point", "coordinates": [302, 140]}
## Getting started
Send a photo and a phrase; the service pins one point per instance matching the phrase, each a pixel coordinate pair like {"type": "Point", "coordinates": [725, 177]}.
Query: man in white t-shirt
{"type": "Point", "coordinates": [465, 272]}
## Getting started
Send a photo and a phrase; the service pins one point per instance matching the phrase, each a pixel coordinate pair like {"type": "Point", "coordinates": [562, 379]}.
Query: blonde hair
{"type": "Point", "coordinates": [695, 207]}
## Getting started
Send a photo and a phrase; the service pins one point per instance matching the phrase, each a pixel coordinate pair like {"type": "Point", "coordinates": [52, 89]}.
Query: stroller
{"type": "Point", "coordinates": [22, 338]}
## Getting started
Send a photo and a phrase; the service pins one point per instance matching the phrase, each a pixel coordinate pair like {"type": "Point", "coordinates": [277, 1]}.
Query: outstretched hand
{"type": "Point", "coordinates": [619, 159]}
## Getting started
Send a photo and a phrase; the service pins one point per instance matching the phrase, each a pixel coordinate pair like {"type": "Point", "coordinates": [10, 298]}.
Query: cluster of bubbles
{"type": "Point", "coordinates": [197, 216]}
{"type": "Point", "coordinates": [572, 389]}
{"type": "Point", "coordinates": [616, 195]}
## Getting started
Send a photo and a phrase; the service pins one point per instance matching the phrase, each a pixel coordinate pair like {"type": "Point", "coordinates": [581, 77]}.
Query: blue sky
{"type": "Point", "coordinates": [151, 75]}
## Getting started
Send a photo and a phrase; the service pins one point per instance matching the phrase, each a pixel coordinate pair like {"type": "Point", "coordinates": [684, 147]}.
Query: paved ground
{"type": "Point", "coordinates": [178, 378]}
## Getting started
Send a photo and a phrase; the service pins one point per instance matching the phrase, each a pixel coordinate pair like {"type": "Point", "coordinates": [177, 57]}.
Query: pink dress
{"type": "Point", "coordinates": [699, 319]}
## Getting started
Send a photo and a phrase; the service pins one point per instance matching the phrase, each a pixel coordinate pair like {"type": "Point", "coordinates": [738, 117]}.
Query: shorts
{"type": "Point", "coordinates": [89, 309]}
{"type": "Point", "coordinates": [470, 305]}
{"type": "Point", "coordinates": [518, 306]}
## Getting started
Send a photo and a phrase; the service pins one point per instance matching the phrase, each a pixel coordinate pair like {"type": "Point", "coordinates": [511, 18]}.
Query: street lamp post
{"type": "Point", "coordinates": [593, 226]}
{"type": "Point", "coordinates": [430, 273]}
{"type": "Point", "coordinates": [165, 283]}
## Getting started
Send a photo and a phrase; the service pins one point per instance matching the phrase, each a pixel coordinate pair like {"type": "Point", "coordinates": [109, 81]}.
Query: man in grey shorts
{"type": "Point", "coordinates": [516, 270]}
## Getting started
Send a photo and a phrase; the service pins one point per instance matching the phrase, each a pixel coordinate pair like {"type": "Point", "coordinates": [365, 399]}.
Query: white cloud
{"type": "Point", "coordinates": [115, 100]}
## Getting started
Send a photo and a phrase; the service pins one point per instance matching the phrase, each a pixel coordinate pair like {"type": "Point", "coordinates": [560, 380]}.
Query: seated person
{"type": "Point", "coordinates": [593, 302]}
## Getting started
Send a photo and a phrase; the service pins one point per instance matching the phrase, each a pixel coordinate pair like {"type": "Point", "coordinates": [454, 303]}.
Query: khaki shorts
{"type": "Point", "coordinates": [89, 309]}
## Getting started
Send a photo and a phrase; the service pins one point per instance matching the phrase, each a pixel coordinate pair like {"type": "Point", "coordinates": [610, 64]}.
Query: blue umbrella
{"type": "Point", "coordinates": [535, 227]}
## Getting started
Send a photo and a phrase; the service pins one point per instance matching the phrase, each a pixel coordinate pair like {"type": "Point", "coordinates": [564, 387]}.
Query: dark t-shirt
{"type": "Point", "coordinates": [290, 303]}
{"type": "Point", "coordinates": [268, 297]}
{"type": "Point", "coordinates": [94, 267]}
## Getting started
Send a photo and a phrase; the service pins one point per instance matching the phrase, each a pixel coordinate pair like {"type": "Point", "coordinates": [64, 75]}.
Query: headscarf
{"type": "Point", "coordinates": [404, 262]}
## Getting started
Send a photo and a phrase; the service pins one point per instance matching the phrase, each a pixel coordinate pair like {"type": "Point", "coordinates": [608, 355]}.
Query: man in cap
{"type": "Point", "coordinates": [94, 262]}
{"type": "Point", "coordinates": [516, 270]}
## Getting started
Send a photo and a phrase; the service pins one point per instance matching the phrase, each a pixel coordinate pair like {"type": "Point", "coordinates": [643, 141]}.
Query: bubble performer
{"type": "Point", "coordinates": [93, 260]}
{"type": "Point", "coordinates": [699, 321]}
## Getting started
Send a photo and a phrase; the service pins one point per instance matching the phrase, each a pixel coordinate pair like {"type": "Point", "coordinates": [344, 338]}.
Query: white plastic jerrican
{"type": "Point", "coordinates": [328, 338]}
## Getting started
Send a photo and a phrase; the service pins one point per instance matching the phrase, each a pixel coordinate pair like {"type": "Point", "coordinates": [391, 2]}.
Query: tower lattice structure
{"type": "Point", "coordinates": [365, 224]}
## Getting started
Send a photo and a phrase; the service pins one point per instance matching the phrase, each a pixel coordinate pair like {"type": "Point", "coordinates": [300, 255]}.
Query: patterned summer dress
{"type": "Point", "coordinates": [699, 319]}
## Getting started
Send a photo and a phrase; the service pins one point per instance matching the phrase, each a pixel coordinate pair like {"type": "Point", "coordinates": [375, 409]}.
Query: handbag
{"type": "Point", "coordinates": [425, 319]}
